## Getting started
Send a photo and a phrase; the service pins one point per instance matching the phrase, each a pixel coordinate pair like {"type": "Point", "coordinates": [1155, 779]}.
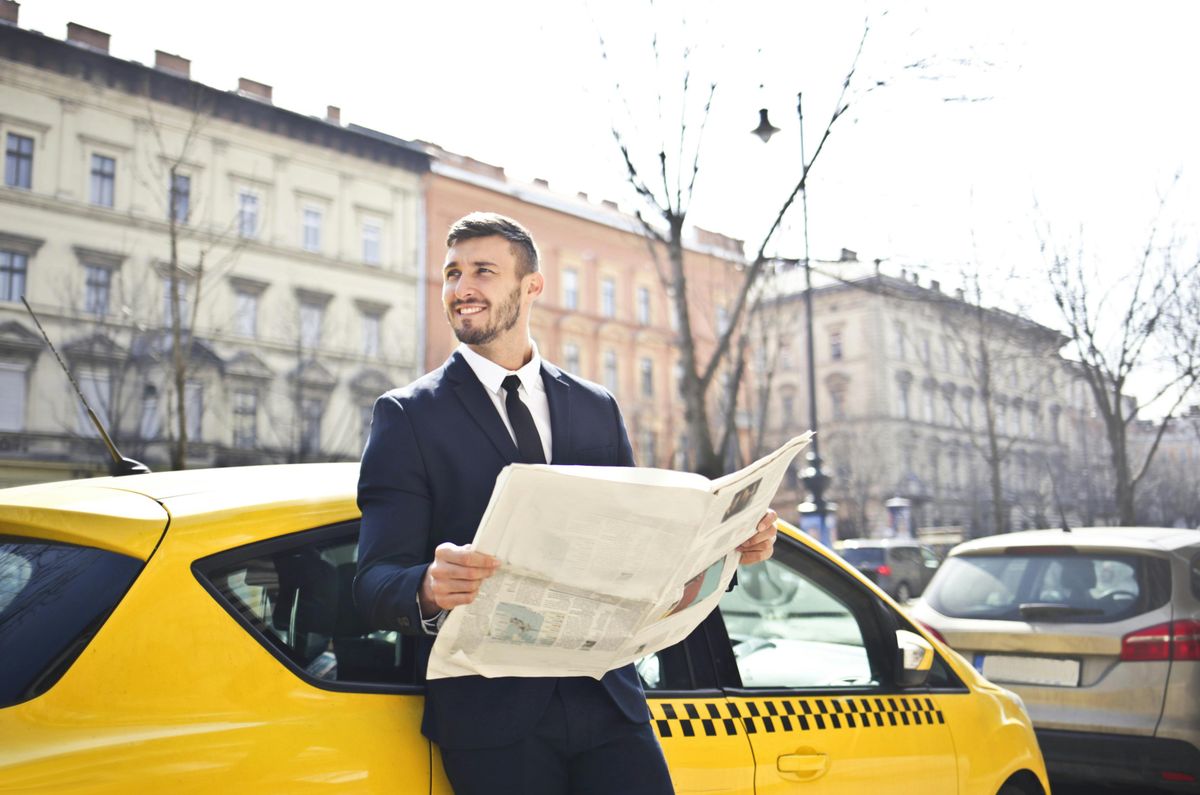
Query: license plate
{"type": "Point", "coordinates": [1012, 669]}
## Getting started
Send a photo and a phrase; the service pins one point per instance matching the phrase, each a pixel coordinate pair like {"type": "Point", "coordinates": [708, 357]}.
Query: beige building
{"type": "Point", "coordinates": [913, 387]}
{"type": "Point", "coordinates": [295, 279]}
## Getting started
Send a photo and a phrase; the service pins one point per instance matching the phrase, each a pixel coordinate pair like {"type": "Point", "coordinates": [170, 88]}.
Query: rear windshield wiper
{"type": "Point", "coordinates": [1053, 610]}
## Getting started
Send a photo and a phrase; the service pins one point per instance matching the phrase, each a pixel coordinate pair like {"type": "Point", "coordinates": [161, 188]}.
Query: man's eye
{"type": "Point", "coordinates": [451, 275]}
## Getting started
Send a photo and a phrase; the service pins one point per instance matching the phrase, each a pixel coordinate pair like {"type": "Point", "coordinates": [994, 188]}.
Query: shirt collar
{"type": "Point", "coordinates": [492, 375]}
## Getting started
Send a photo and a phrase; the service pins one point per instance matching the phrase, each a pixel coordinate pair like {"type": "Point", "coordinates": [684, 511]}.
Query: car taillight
{"type": "Point", "coordinates": [884, 570]}
{"type": "Point", "coordinates": [934, 632]}
{"type": "Point", "coordinates": [1174, 640]}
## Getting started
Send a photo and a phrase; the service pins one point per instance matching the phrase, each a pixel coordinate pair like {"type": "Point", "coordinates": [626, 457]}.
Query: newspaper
{"type": "Point", "coordinates": [600, 566]}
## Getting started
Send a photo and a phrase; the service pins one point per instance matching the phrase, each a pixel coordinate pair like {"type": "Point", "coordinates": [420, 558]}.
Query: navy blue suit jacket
{"type": "Point", "coordinates": [435, 449]}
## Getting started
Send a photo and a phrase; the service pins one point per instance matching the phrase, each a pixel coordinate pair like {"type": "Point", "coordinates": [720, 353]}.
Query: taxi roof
{"type": "Point", "coordinates": [129, 514]}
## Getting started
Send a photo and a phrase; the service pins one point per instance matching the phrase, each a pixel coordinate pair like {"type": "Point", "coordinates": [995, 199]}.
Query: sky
{"type": "Point", "coordinates": [976, 131]}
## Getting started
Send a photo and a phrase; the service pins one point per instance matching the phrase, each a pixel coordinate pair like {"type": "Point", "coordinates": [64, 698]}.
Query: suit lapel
{"type": "Point", "coordinates": [481, 408]}
{"type": "Point", "coordinates": [558, 395]}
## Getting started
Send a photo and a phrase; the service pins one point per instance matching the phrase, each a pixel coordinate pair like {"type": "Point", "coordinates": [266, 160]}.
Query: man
{"type": "Point", "coordinates": [435, 449]}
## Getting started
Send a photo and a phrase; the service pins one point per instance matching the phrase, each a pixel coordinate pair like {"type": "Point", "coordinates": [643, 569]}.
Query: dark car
{"type": "Point", "coordinates": [900, 566]}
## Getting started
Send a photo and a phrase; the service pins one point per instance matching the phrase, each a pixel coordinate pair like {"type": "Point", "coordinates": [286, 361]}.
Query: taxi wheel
{"type": "Point", "coordinates": [903, 594]}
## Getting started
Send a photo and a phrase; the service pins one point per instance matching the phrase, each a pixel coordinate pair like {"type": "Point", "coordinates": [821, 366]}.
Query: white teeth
{"type": "Point", "coordinates": [469, 310]}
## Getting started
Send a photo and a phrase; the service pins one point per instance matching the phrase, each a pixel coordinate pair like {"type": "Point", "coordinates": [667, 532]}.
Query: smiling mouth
{"type": "Point", "coordinates": [469, 310]}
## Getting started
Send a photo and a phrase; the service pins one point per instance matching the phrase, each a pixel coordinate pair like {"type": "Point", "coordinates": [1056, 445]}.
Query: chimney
{"type": "Point", "coordinates": [960, 294]}
{"type": "Point", "coordinates": [87, 37]}
{"type": "Point", "coordinates": [333, 114]}
{"type": "Point", "coordinates": [878, 264]}
{"type": "Point", "coordinates": [9, 11]}
{"type": "Point", "coordinates": [935, 285]}
{"type": "Point", "coordinates": [172, 64]}
{"type": "Point", "coordinates": [915, 278]}
{"type": "Point", "coordinates": [582, 196]}
{"type": "Point", "coordinates": [254, 89]}
{"type": "Point", "coordinates": [848, 256]}
{"type": "Point", "coordinates": [541, 183]}
{"type": "Point", "coordinates": [610, 204]}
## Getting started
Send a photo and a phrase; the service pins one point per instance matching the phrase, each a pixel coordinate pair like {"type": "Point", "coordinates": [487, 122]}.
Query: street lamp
{"type": "Point", "coordinates": [813, 477]}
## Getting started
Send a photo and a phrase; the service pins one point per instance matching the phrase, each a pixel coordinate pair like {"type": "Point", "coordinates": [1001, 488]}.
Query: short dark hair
{"type": "Point", "coordinates": [488, 224]}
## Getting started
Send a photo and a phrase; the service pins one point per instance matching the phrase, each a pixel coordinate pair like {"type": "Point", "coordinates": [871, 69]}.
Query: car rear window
{"type": "Point", "coordinates": [1063, 587]}
{"type": "Point", "coordinates": [863, 556]}
{"type": "Point", "coordinates": [53, 600]}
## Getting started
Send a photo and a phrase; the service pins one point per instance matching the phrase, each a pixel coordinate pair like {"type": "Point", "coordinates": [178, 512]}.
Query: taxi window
{"type": "Point", "coordinates": [795, 631]}
{"type": "Point", "coordinates": [295, 595]}
{"type": "Point", "coordinates": [53, 600]}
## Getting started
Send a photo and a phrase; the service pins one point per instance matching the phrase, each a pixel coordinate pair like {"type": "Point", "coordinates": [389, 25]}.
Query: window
{"type": "Point", "coordinates": [13, 379]}
{"type": "Point", "coordinates": [104, 177]}
{"type": "Point", "coordinates": [647, 369]}
{"type": "Point", "coordinates": [372, 242]}
{"type": "Point", "coordinates": [648, 444]}
{"type": "Point", "coordinates": [193, 404]}
{"type": "Point", "coordinates": [929, 405]}
{"type": "Point", "coordinates": [148, 422]}
{"type": "Point", "coordinates": [180, 197]}
{"type": "Point", "coordinates": [245, 317]}
{"type": "Point", "coordinates": [925, 354]}
{"type": "Point", "coordinates": [722, 320]}
{"type": "Point", "coordinates": [835, 345]}
{"type": "Point", "coordinates": [312, 316]}
{"type": "Point", "coordinates": [679, 383]}
{"type": "Point", "coordinates": [899, 339]}
{"type": "Point", "coordinates": [183, 289]}
{"type": "Point", "coordinates": [837, 398]}
{"type": "Point", "coordinates": [97, 286]}
{"type": "Point", "coordinates": [247, 218]}
{"type": "Point", "coordinates": [610, 371]}
{"type": "Point", "coordinates": [18, 162]}
{"type": "Point", "coordinates": [571, 357]}
{"type": "Point", "coordinates": [310, 229]}
{"type": "Point", "coordinates": [948, 407]}
{"type": "Point", "coordinates": [294, 594]}
{"type": "Point", "coordinates": [245, 418]}
{"type": "Point", "coordinates": [570, 287]}
{"type": "Point", "coordinates": [791, 630]}
{"type": "Point", "coordinates": [62, 594]}
{"type": "Point", "coordinates": [902, 386]}
{"type": "Point", "coordinates": [643, 306]}
{"type": "Point", "coordinates": [788, 409]}
{"type": "Point", "coordinates": [94, 384]}
{"type": "Point", "coordinates": [371, 324]}
{"type": "Point", "coordinates": [13, 267]}
{"type": "Point", "coordinates": [608, 298]}
{"type": "Point", "coordinates": [311, 409]}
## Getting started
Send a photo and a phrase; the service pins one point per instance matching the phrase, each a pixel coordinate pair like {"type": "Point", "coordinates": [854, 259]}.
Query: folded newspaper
{"type": "Point", "coordinates": [600, 566]}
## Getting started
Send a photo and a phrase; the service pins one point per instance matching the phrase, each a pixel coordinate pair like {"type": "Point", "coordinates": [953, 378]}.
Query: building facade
{"type": "Point", "coordinates": [605, 314]}
{"type": "Point", "coordinates": [195, 253]}
{"type": "Point", "coordinates": [956, 411]}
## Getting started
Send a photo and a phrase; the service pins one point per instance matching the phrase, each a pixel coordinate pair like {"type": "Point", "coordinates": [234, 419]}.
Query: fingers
{"type": "Point", "coordinates": [761, 545]}
{"type": "Point", "coordinates": [454, 577]}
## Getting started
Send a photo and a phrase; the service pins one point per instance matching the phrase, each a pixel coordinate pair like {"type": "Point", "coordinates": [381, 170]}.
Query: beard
{"type": "Point", "coordinates": [504, 317]}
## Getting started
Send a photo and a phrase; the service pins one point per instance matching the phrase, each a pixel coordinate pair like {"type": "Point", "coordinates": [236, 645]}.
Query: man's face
{"type": "Point", "coordinates": [484, 298]}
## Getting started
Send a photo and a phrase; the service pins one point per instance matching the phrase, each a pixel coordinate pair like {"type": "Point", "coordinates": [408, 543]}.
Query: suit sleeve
{"type": "Point", "coordinates": [624, 448]}
{"type": "Point", "coordinates": [394, 548]}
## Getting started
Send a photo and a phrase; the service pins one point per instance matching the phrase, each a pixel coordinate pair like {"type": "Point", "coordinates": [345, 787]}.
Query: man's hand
{"type": "Point", "coordinates": [454, 577]}
{"type": "Point", "coordinates": [761, 545]}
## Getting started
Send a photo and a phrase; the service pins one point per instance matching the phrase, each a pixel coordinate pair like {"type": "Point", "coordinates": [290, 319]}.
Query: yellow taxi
{"type": "Point", "coordinates": [194, 632]}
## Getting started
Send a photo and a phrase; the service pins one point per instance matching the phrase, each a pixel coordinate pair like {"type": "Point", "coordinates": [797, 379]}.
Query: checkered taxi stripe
{"type": "Point", "coordinates": [724, 718]}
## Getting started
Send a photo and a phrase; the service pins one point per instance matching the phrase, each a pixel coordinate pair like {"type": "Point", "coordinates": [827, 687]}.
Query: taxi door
{"type": "Point", "coordinates": [813, 693]}
{"type": "Point", "coordinates": [705, 749]}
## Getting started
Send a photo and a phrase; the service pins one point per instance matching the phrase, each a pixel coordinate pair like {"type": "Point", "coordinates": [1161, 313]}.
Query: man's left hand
{"type": "Point", "coordinates": [761, 545]}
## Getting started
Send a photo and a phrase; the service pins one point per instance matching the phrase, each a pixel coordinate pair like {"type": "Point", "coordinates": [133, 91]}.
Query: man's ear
{"type": "Point", "coordinates": [536, 284]}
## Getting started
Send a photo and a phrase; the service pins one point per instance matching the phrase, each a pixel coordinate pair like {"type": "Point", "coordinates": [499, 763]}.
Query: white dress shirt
{"type": "Point", "coordinates": [532, 391]}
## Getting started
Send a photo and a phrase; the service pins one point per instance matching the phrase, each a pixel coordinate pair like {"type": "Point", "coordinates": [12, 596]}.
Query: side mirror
{"type": "Point", "coordinates": [914, 659]}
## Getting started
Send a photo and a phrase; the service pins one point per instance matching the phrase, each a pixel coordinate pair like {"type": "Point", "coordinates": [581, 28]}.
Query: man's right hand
{"type": "Point", "coordinates": [454, 577]}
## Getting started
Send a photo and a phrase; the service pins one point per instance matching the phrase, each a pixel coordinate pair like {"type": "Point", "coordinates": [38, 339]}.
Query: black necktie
{"type": "Point", "coordinates": [528, 441]}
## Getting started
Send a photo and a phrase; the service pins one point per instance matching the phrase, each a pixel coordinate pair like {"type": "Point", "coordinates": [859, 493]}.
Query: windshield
{"type": "Point", "coordinates": [1063, 587]}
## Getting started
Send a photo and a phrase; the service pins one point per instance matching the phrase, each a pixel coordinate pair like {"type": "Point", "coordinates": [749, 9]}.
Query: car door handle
{"type": "Point", "coordinates": [804, 767]}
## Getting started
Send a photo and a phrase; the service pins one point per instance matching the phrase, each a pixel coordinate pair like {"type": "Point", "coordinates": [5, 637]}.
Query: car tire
{"type": "Point", "coordinates": [903, 593]}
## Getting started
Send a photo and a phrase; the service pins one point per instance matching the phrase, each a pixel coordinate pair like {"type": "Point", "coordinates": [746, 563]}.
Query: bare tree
{"type": "Point", "coordinates": [666, 193]}
{"type": "Point", "coordinates": [211, 248]}
{"type": "Point", "coordinates": [1140, 333]}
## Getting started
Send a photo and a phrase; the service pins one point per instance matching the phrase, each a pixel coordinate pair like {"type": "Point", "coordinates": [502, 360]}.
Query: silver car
{"type": "Point", "coordinates": [1098, 630]}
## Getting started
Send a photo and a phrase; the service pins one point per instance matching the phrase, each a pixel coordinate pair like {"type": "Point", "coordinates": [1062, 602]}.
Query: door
{"type": "Point", "coordinates": [814, 693]}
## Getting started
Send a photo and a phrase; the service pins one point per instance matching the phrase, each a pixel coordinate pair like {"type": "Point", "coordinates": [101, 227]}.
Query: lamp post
{"type": "Point", "coordinates": [813, 477]}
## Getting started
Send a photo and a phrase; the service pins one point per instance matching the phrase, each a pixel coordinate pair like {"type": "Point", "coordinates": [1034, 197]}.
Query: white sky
{"type": "Point", "coordinates": [1069, 113]}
